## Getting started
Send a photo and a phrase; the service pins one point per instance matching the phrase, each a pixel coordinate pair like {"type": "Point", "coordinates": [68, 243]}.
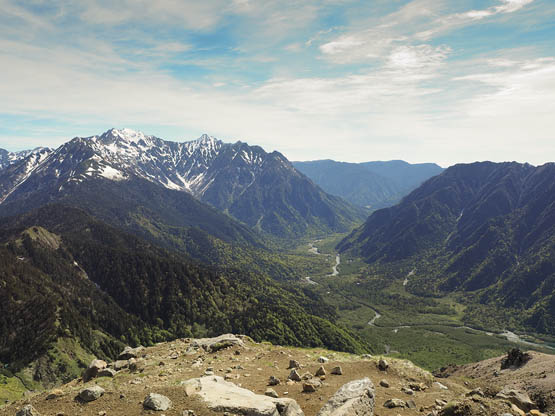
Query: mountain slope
{"type": "Point", "coordinates": [370, 184]}
{"type": "Point", "coordinates": [260, 189]}
{"type": "Point", "coordinates": [486, 228]}
{"type": "Point", "coordinates": [74, 277]}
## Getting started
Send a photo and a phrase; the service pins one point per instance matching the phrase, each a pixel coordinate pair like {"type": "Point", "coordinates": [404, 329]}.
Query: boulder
{"type": "Point", "coordinates": [392, 403]}
{"type": "Point", "coordinates": [91, 393]}
{"type": "Point", "coordinates": [383, 364]}
{"type": "Point", "coordinates": [515, 358]}
{"type": "Point", "coordinates": [92, 370]}
{"type": "Point", "coordinates": [217, 343]}
{"type": "Point", "coordinates": [353, 398]}
{"type": "Point", "coordinates": [27, 410]}
{"type": "Point", "coordinates": [155, 401]}
{"type": "Point", "coordinates": [129, 352]}
{"type": "Point", "coordinates": [222, 396]}
{"type": "Point", "coordinates": [522, 400]}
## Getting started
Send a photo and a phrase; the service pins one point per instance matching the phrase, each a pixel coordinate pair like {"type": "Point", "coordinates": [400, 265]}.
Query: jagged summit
{"type": "Point", "coordinates": [246, 181]}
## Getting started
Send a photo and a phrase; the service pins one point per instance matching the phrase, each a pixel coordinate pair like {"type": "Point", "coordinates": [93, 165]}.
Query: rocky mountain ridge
{"type": "Point", "coordinates": [261, 189]}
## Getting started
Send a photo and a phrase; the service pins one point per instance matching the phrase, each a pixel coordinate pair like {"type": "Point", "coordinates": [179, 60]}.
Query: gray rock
{"type": "Point", "coordinates": [217, 343]}
{"type": "Point", "coordinates": [157, 402]}
{"type": "Point", "coordinates": [222, 396]}
{"type": "Point", "coordinates": [129, 352]}
{"type": "Point", "coordinates": [294, 375]}
{"type": "Point", "coordinates": [306, 376]}
{"type": "Point", "coordinates": [119, 365]}
{"type": "Point", "coordinates": [392, 403]}
{"type": "Point", "coordinates": [353, 398]}
{"type": "Point", "coordinates": [310, 386]}
{"type": "Point", "coordinates": [407, 390]}
{"type": "Point", "coordinates": [322, 360]}
{"type": "Point", "coordinates": [520, 399]}
{"type": "Point", "coordinates": [384, 383]}
{"type": "Point", "coordinates": [337, 371]}
{"type": "Point", "coordinates": [107, 372]}
{"type": "Point", "coordinates": [92, 370]}
{"type": "Point", "coordinates": [440, 386]}
{"type": "Point", "coordinates": [320, 372]}
{"type": "Point", "coordinates": [411, 404]}
{"type": "Point", "coordinates": [288, 407]}
{"type": "Point", "coordinates": [271, 393]}
{"type": "Point", "coordinates": [90, 394]}
{"type": "Point", "coordinates": [293, 364]}
{"type": "Point", "coordinates": [27, 410]}
{"type": "Point", "coordinates": [366, 356]}
{"type": "Point", "coordinates": [383, 364]}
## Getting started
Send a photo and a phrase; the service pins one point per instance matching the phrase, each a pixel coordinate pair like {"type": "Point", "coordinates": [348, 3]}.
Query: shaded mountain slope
{"type": "Point", "coordinates": [485, 227]}
{"type": "Point", "coordinates": [73, 275]}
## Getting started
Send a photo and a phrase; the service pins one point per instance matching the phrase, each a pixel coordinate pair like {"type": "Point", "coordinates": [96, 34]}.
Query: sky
{"type": "Point", "coordinates": [353, 80]}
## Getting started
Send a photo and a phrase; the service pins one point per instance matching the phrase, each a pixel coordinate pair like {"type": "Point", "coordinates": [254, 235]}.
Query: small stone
{"type": "Point", "coordinates": [441, 386]}
{"type": "Point", "coordinates": [237, 352]}
{"type": "Point", "coordinates": [102, 413]}
{"type": "Point", "coordinates": [383, 364]}
{"type": "Point", "coordinates": [310, 386]}
{"type": "Point", "coordinates": [273, 381]}
{"type": "Point", "coordinates": [392, 403]}
{"type": "Point", "coordinates": [337, 371]}
{"type": "Point", "coordinates": [294, 375]}
{"type": "Point", "coordinates": [271, 393]}
{"type": "Point", "coordinates": [440, 402]}
{"type": "Point", "coordinates": [94, 367]}
{"type": "Point", "coordinates": [384, 383]}
{"type": "Point", "coordinates": [306, 376]}
{"type": "Point", "coordinates": [293, 364]}
{"type": "Point", "coordinates": [28, 410]}
{"type": "Point", "coordinates": [411, 404]}
{"type": "Point", "coordinates": [107, 372]}
{"type": "Point", "coordinates": [91, 393]}
{"type": "Point", "coordinates": [407, 390]}
{"type": "Point", "coordinates": [54, 394]}
{"type": "Point", "coordinates": [157, 402]}
{"type": "Point", "coordinates": [320, 372]}
{"type": "Point", "coordinates": [323, 360]}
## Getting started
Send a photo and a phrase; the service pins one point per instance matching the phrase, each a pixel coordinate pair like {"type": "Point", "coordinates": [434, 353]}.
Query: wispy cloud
{"type": "Point", "coordinates": [332, 78]}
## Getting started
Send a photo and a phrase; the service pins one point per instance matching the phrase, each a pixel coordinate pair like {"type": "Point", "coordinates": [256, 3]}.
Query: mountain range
{"type": "Point", "coordinates": [371, 185]}
{"type": "Point", "coordinates": [486, 229]}
{"type": "Point", "coordinates": [262, 190]}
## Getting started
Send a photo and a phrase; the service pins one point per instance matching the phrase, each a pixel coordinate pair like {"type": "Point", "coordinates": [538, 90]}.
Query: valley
{"type": "Point", "coordinates": [430, 333]}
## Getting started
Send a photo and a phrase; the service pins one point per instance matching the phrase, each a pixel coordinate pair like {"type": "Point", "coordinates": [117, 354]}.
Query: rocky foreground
{"type": "Point", "coordinates": [232, 375]}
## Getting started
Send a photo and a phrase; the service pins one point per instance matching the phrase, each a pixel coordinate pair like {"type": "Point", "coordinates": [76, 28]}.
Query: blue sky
{"type": "Point", "coordinates": [422, 80]}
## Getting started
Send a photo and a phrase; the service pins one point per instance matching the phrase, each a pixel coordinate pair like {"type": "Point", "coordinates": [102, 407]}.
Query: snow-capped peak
{"type": "Point", "coordinates": [126, 135]}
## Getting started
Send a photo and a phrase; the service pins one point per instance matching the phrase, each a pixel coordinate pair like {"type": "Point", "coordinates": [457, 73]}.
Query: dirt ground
{"type": "Point", "coordinates": [167, 365]}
